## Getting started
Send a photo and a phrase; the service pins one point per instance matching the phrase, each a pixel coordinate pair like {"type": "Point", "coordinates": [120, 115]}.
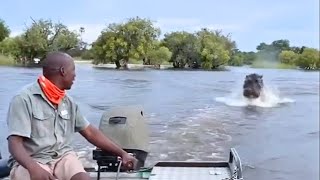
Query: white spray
{"type": "Point", "coordinates": [270, 97]}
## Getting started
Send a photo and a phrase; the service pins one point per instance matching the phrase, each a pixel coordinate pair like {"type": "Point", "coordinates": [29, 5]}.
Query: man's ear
{"type": "Point", "coordinates": [62, 71]}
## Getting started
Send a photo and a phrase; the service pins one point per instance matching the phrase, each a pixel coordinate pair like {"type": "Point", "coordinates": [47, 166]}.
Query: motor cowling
{"type": "Point", "coordinates": [126, 126]}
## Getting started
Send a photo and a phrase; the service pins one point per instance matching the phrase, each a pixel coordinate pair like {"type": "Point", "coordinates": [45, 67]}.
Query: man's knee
{"type": "Point", "coordinates": [70, 166]}
{"type": "Point", "coordinates": [81, 176]}
{"type": "Point", "coordinates": [19, 172]}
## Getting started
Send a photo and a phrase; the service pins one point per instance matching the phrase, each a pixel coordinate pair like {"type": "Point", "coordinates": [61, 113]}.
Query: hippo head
{"type": "Point", "coordinates": [252, 86]}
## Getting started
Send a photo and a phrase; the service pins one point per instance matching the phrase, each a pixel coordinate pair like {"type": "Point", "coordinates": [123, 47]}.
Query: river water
{"type": "Point", "coordinates": [199, 115]}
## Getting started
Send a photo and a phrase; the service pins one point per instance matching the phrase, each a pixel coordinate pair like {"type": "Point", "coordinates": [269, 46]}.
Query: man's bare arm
{"type": "Point", "coordinates": [20, 154]}
{"type": "Point", "coordinates": [97, 138]}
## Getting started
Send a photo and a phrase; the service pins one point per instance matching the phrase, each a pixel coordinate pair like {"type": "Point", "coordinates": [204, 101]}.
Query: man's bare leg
{"type": "Point", "coordinates": [70, 167]}
{"type": "Point", "coordinates": [81, 176]}
{"type": "Point", "coordinates": [20, 172]}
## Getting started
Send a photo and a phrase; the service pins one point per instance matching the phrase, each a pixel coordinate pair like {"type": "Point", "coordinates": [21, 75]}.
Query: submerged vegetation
{"type": "Point", "coordinates": [138, 41]}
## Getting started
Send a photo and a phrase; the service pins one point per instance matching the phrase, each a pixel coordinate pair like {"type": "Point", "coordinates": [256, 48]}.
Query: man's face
{"type": "Point", "coordinates": [69, 74]}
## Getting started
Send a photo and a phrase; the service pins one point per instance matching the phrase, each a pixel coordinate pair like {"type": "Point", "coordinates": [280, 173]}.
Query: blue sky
{"type": "Point", "coordinates": [249, 21]}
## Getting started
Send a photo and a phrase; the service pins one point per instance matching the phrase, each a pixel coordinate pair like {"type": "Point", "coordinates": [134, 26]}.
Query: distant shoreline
{"type": "Point", "coordinates": [130, 65]}
{"type": "Point", "coordinates": [83, 61]}
{"type": "Point", "coordinates": [138, 66]}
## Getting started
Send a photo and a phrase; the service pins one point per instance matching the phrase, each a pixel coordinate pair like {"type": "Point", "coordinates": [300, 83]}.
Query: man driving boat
{"type": "Point", "coordinates": [42, 119]}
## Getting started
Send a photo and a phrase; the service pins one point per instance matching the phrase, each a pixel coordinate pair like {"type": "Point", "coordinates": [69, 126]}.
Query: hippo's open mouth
{"type": "Point", "coordinates": [252, 86]}
{"type": "Point", "coordinates": [248, 93]}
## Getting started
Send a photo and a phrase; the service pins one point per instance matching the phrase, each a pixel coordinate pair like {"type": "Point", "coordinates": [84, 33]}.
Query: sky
{"type": "Point", "coordinates": [250, 22]}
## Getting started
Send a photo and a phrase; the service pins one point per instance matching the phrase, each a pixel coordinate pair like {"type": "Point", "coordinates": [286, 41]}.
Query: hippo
{"type": "Point", "coordinates": [253, 85]}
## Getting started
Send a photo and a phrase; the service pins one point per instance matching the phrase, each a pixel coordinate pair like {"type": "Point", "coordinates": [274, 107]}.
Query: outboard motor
{"type": "Point", "coordinates": [127, 127]}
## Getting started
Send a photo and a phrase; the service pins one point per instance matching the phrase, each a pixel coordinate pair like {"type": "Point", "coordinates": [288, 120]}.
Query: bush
{"type": "Point", "coordinates": [6, 61]}
{"type": "Point", "coordinates": [309, 59]}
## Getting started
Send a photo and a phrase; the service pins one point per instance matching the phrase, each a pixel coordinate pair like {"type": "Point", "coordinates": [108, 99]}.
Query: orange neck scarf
{"type": "Point", "coordinates": [52, 92]}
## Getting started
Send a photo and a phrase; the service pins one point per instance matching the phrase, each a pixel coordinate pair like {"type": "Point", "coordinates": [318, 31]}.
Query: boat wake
{"type": "Point", "coordinates": [270, 97]}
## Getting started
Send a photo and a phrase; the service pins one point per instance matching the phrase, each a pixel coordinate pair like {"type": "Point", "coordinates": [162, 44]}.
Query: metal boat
{"type": "Point", "coordinates": [127, 126]}
{"type": "Point", "coordinates": [175, 170]}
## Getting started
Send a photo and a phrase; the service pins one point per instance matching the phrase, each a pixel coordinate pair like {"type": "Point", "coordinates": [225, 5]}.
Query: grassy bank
{"type": "Point", "coordinates": [270, 65]}
{"type": "Point", "coordinates": [6, 61]}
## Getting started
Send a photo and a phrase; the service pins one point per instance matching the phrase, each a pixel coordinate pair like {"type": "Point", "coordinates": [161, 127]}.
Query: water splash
{"type": "Point", "coordinates": [270, 97]}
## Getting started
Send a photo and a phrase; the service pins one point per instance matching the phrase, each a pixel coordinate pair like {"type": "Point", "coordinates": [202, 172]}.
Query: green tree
{"type": "Point", "coordinates": [309, 59]}
{"type": "Point", "coordinates": [107, 48]}
{"type": "Point", "coordinates": [297, 50]}
{"type": "Point", "coordinates": [215, 48]}
{"type": "Point", "coordinates": [281, 45]}
{"type": "Point", "coordinates": [82, 45]}
{"type": "Point", "coordinates": [9, 47]}
{"type": "Point", "coordinates": [277, 45]}
{"type": "Point", "coordinates": [249, 57]}
{"type": "Point", "coordinates": [237, 58]}
{"type": "Point", "coordinates": [4, 30]}
{"type": "Point", "coordinates": [262, 46]}
{"type": "Point", "coordinates": [42, 37]}
{"type": "Point", "coordinates": [87, 54]}
{"type": "Point", "coordinates": [184, 47]}
{"type": "Point", "coordinates": [270, 52]}
{"type": "Point", "coordinates": [288, 57]}
{"type": "Point", "coordinates": [159, 55]}
{"type": "Point", "coordinates": [120, 42]}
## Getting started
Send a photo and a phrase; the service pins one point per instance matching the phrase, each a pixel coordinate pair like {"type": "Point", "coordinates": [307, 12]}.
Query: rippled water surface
{"type": "Point", "coordinates": [196, 115]}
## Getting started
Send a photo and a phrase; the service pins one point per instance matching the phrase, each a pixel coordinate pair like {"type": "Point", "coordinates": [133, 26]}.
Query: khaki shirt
{"type": "Point", "coordinates": [48, 131]}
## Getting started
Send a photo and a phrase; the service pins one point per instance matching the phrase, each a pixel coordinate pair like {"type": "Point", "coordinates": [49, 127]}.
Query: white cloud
{"type": "Point", "coordinates": [16, 33]}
